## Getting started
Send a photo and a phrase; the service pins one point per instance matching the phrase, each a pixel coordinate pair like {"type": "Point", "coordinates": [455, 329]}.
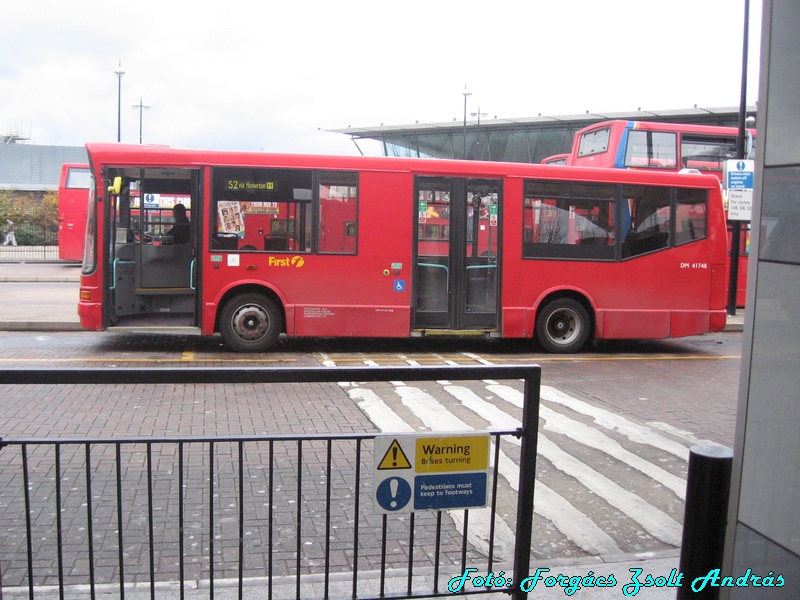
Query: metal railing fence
{"type": "Point", "coordinates": [118, 514]}
{"type": "Point", "coordinates": [34, 241]}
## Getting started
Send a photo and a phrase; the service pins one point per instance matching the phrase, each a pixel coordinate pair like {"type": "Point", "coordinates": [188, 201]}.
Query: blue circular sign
{"type": "Point", "coordinates": [393, 493]}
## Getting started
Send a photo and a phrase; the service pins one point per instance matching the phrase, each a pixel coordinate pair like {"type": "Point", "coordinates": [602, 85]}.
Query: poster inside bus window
{"type": "Point", "coordinates": [229, 217]}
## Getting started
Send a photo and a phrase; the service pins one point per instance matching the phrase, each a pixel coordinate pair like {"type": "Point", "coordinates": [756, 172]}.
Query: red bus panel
{"type": "Point", "coordinates": [649, 145]}
{"type": "Point", "coordinates": [73, 197]}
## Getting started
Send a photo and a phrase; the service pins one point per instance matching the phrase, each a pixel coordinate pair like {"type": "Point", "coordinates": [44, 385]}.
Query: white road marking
{"type": "Point", "coordinates": [589, 436]}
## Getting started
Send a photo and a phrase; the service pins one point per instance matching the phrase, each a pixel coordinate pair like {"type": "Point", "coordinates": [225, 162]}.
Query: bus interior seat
{"type": "Point", "coordinates": [125, 251]}
{"type": "Point", "coordinates": [687, 227]}
{"type": "Point", "coordinates": [276, 244]}
{"type": "Point", "coordinates": [225, 241]}
{"type": "Point", "coordinates": [642, 242]}
{"type": "Point", "coordinates": [596, 240]}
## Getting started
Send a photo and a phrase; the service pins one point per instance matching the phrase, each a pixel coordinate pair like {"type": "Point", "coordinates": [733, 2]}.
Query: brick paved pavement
{"type": "Point", "coordinates": [136, 411]}
{"type": "Point", "coordinates": [626, 387]}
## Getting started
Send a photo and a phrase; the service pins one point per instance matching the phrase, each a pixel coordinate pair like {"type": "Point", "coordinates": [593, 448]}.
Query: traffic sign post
{"type": "Point", "coordinates": [738, 176]}
{"type": "Point", "coordinates": [430, 472]}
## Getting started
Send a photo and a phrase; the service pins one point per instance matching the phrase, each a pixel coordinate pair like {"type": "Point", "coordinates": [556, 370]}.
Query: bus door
{"type": "Point", "coordinates": [151, 254]}
{"type": "Point", "coordinates": [456, 270]}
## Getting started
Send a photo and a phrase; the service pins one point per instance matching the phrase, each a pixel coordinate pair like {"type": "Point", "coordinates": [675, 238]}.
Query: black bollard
{"type": "Point", "coordinates": [708, 487]}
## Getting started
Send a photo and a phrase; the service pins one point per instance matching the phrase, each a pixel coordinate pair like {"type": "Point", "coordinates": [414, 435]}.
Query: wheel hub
{"type": "Point", "coordinates": [250, 323]}
{"type": "Point", "coordinates": [562, 326]}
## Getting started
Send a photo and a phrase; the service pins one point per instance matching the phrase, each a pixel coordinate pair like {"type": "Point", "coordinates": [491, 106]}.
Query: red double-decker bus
{"type": "Point", "coordinates": [73, 197]}
{"type": "Point", "coordinates": [558, 159]}
{"type": "Point", "coordinates": [388, 247]}
{"type": "Point", "coordinates": [666, 147]}
{"type": "Point", "coordinates": [656, 146]}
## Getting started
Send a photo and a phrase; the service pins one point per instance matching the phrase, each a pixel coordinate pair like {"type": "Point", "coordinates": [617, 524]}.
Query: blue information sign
{"type": "Point", "coordinates": [740, 180]}
{"type": "Point", "coordinates": [740, 174]}
{"type": "Point", "coordinates": [393, 494]}
{"type": "Point", "coordinates": [451, 490]}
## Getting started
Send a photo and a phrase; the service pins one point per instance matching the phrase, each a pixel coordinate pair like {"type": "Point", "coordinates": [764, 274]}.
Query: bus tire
{"type": "Point", "coordinates": [563, 326]}
{"type": "Point", "coordinates": [250, 323]}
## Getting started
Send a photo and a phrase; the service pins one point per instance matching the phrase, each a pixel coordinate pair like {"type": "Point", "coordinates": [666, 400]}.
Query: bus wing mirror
{"type": "Point", "coordinates": [116, 187]}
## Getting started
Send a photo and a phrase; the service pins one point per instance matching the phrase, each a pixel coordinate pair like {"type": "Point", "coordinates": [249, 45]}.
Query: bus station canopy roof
{"type": "Point", "coordinates": [524, 139]}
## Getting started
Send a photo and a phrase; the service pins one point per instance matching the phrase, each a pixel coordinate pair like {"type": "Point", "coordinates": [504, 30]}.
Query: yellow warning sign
{"type": "Point", "coordinates": [452, 454]}
{"type": "Point", "coordinates": [394, 458]}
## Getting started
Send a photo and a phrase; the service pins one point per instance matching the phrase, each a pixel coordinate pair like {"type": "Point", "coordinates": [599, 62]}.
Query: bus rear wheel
{"type": "Point", "coordinates": [250, 323]}
{"type": "Point", "coordinates": [563, 326]}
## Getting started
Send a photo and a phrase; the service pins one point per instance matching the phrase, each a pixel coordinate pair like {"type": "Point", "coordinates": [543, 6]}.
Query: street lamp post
{"type": "Point", "coordinates": [478, 114]}
{"type": "Point", "coordinates": [736, 225]}
{"type": "Point", "coordinates": [141, 106]}
{"type": "Point", "coordinates": [119, 72]}
{"type": "Point", "coordinates": [466, 95]}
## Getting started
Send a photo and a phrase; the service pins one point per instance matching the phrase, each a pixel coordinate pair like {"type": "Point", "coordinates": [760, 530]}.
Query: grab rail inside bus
{"type": "Point", "coordinates": [446, 270]}
{"type": "Point", "coordinates": [488, 268]}
{"type": "Point", "coordinates": [435, 266]}
{"type": "Point", "coordinates": [114, 270]}
{"type": "Point", "coordinates": [191, 274]}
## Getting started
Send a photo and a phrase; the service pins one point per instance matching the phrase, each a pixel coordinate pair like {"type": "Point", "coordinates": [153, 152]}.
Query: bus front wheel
{"type": "Point", "coordinates": [563, 326]}
{"type": "Point", "coordinates": [250, 323]}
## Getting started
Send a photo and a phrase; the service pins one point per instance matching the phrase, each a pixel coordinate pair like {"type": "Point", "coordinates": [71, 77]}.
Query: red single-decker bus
{"type": "Point", "coordinates": [326, 246]}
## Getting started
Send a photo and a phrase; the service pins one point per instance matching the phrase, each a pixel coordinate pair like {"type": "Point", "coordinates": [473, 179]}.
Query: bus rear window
{"type": "Point", "coordinates": [594, 142]}
{"type": "Point", "coordinates": [79, 178]}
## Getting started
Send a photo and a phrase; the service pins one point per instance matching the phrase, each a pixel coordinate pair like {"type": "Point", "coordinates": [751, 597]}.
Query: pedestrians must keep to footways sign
{"type": "Point", "coordinates": [430, 471]}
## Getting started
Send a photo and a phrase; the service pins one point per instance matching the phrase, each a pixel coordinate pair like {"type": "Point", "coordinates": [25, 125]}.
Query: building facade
{"type": "Point", "coordinates": [32, 168]}
{"type": "Point", "coordinates": [764, 519]}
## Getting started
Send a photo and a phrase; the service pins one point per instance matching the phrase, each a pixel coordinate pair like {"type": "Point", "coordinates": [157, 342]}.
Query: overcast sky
{"type": "Point", "coordinates": [273, 76]}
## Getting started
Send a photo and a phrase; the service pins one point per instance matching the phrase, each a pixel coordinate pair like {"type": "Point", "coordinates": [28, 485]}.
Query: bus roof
{"type": "Point", "coordinates": [659, 126]}
{"type": "Point", "coordinates": [123, 155]}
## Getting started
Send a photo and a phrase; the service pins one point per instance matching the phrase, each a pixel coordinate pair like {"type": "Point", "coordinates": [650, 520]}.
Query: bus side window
{"type": "Point", "coordinates": [278, 210]}
{"type": "Point", "coordinates": [690, 222]}
{"type": "Point", "coordinates": [647, 224]}
{"type": "Point", "coordinates": [255, 204]}
{"type": "Point", "coordinates": [571, 221]}
{"type": "Point", "coordinates": [652, 149]}
{"type": "Point", "coordinates": [706, 153]}
{"type": "Point", "coordinates": [338, 212]}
